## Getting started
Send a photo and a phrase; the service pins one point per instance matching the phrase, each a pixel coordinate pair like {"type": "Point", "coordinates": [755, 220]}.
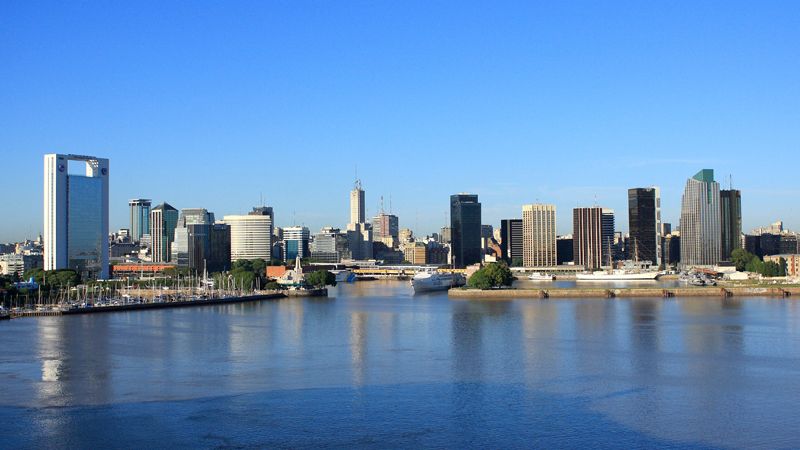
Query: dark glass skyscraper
{"type": "Point", "coordinates": [511, 239]}
{"type": "Point", "coordinates": [730, 221]}
{"type": "Point", "coordinates": [644, 223]}
{"type": "Point", "coordinates": [465, 223]}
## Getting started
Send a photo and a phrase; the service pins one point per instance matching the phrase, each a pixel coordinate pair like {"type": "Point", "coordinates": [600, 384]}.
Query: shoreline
{"type": "Point", "coordinates": [177, 304]}
{"type": "Point", "coordinates": [663, 292]}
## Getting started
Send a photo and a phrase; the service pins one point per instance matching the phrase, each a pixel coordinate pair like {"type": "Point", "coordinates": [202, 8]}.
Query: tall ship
{"type": "Point", "coordinates": [435, 281]}
{"type": "Point", "coordinates": [631, 271]}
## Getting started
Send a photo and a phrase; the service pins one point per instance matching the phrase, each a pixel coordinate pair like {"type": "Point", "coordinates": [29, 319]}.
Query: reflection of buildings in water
{"type": "Point", "coordinates": [291, 312]}
{"type": "Point", "coordinates": [645, 336]}
{"type": "Point", "coordinates": [467, 340]}
{"type": "Point", "coordinates": [540, 330]}
{"type": "Point", "coordinates": [358, 346]}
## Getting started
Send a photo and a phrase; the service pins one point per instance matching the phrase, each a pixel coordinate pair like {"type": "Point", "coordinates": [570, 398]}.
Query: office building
{"type": "Point", "coordinates": [329, 246]}
{"type": "Point", "coordinates": [357, 211]}
{"type": "Point", "coordinates": [465, 226]}
{"type": "Point", "coordinates": [671, 248]}
{"type": "Point", "coordinates": [446, 235]}
{"type": "Point", "coordinates": [539, 235]}
{"type": "Point", "coordinates": [592, 237]}
{"type": "Point", "coordinates": [415, 252]}
{"type": "Point", "coordinates": [140, 218]}
{"type": "Point", "coordinates": [700, 221]}
{"type": "Point", "coordinates": [251, 234]}
{"type": "Point", "coordinates": [792, 262]}
{"type": "Point", "coordinates": [295, 242]}
{"type": "Point", "coordinates": [181, 247]}
{"type": "Point", "coordinates": [218, 258]}
{"type": "Point", "coordinates": [644, 225]}
{"type": "Point", "coordinates": [511, 241]}
{"type": "Point", "coordinates": [359, 233]}
{"type": "Point", "coordinates": [564, 249]}
{"type": "Point", "coordinates": [163, 220]}
{"type": "Point", "coordinates": [385, 228]}
{"type": "Point", "coordinates": [731, 221]}
{"type": "Point", "coordinates": [76, 215]}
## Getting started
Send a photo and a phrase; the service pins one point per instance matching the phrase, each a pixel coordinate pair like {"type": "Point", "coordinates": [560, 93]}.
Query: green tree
{"type": "Point", "coordinates": [516, 262]}
{"type": "Point", "coordinates": [321, 278]}
{"type": "Point", "coordinates": [740, 257]}
{"type": "Point", "coordinates": [492, 275]}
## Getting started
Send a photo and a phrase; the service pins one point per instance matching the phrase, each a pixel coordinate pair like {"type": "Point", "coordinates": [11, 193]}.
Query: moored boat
{"type": "Point", "coordinates": [538, 276]}
{"type": "Point", "coordinates": [435, 281]}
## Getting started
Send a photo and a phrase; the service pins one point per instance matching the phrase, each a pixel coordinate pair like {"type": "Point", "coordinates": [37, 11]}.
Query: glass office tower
{"type": "Point", "coordinates": [465, 225]}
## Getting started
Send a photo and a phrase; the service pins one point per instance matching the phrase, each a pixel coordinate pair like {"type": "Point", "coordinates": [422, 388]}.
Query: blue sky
{"type": "Point", "coordinates": [214, 104]}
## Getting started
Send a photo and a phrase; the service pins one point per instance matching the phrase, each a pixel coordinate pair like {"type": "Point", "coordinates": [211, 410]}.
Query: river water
{"type": "Point", "coordinates": [373, 366]}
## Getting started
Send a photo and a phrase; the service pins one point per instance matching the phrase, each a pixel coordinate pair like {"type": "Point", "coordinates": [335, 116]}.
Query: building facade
{"type": "Point", "coordinates": [163, 220]}
{"type": "Point", "coordinates": [385, 228]}
{"type": "Point", "coordinates": [700, 221]}
{"type": "Point", "coordinates": [296, 242]}
{"type": "Point", "coordinates": [465, 226]}
{"type": "Point", "coordinates": [140, 218]}
{"type": "Point", "coordinates": [511, 240]}
{"type": "Point", "coordinates": [76, 215]}
{"type": "Point", "coordinates": [539, 235]}
{"type": "Point", "coordinates": [644, 224]}
{"type": "Point", "coordinates": [251, 236]}
{"type": "Point", "coordinates": [592, 237]}
{"type": "Point", "coordinates": [731, 221]}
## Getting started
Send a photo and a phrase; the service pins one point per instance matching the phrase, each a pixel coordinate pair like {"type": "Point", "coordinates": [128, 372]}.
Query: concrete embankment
{"type": "Point", "coordinates": [143, 306]}
{"type": "Point", "coordinates": [706, 291]}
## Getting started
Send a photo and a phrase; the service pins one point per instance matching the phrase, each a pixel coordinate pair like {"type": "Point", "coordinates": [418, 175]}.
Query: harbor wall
{"type": "Point", "coordinates": [705, 291]}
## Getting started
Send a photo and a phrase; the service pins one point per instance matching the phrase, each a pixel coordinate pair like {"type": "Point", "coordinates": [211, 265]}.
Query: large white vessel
{"type": "Point", "coordinates": [618, 275]}
{"type": "Point", "coordinates": [435, 281]}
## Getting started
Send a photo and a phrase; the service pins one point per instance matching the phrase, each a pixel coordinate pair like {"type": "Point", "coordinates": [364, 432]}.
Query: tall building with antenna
{"type": "Point", "coordinates": [359, 233]}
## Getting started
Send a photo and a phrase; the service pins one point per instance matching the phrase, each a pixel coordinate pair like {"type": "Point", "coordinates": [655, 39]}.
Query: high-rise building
{"type": "Point", "coordinates": [329, 246]}
{"type": "Point", "coordinates": [465, 225]}
{"type": "Point", "coordinates": [539, 235]}
{"type": "Point", "coordinates": [385, 227]}
{"type": "Point", "coordinates": [251, 234]}
{"type": "Point", "coordinates": [415, 252]}
{"type": "Point", "coordinates": [644, 224]}
{"type": "Point", "coordinates": [359, 233]}
{"type": "Point", "coordinates": [731, 221]}
{"type": "Point", "coordinates": [76, 215]}
{"type": "Point", "coordinates": [218, 258]}
{"type": "Point", "coordinates": [700, 221]}
{"type": "Point", "coordinates": [592, 236]}
{"type": "Point", "coordinates": [564, 249]}
{"type": "Point", "coordinates": [140, 218]}
{"type": "Point", "coordinates": [163, 220]}
{"type": "Point", "coordinates": [446, 235]}
{"type": "Point", "coordinates": [181, 247]}
{"type": "Point", "coordinates": [295, 242]}
{"type": "Point", "coordinates": [511, 240]}
{"type": "Point", "coordinates": [357, 212]}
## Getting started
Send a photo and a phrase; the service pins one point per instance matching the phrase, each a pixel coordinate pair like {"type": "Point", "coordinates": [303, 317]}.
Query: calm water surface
{"type": "Point", "coordinates": [374, 366]}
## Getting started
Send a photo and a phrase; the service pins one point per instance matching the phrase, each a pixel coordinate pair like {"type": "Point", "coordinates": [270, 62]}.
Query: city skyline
{"type": "Point", "coordinates": [563, 225]}
{"type": "Point", "coordinates": [556, 106]}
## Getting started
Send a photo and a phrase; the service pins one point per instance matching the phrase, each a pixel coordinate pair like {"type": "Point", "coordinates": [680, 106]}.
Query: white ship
{"type": "Point", "coordinates": [618, 275]}
{"type": "Point", "coordinates": [537, 276]}
{"type": "Point", "coordinates": [435, 281]}
{"type": "Point", "coordinates": [632, 270]}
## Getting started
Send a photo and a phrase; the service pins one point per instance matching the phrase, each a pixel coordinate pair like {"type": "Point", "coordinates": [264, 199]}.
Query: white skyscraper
{"type": "Point", "coordinates": [357, 214]}
{"type": "Point", "coordinates": [251, 234]}
{"type": "Point", "coordinates": [76, 215]}
{"type": "Point", "coordinates": [539, 235]}
{"type": "Point", "coordinates": [701, 237]}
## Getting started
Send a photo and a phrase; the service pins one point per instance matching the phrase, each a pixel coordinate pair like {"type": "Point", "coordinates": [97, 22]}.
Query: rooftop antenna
{"type": "Point", "coordinates": [382, 204]}
{"type": "Point", "coordinates": [390, 203]}
{"type": "Point", "coordinates": [730, 181]}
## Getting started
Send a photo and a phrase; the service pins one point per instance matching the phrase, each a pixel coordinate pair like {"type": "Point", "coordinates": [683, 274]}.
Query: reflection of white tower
{"type": "Point", "coordinates": [76, 215]}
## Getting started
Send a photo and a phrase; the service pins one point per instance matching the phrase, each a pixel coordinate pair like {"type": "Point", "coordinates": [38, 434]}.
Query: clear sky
{"type": "Point", "coordinates": [214, 104]}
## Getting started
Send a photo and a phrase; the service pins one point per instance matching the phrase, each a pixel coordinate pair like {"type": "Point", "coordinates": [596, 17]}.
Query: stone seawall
{"type": "Point", "coordinates": [710, 291]}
